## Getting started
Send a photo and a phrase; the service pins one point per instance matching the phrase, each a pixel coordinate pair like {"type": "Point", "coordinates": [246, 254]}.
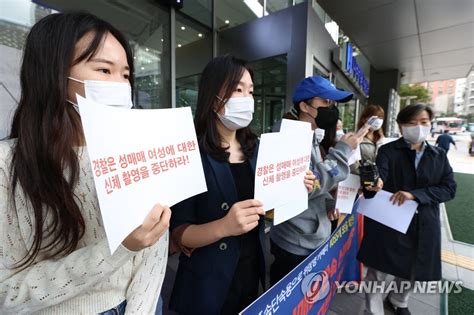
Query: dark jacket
{"type": "Point", "coordinates": [203, 279]}
{"type": "Point", "coordinates": [416, 254]}
{"type": "Point", "coordinates": [444, 140]}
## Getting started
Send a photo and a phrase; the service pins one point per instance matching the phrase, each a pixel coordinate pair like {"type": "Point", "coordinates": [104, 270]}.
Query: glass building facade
{"type": "Point", "coordinates": [284, 40]}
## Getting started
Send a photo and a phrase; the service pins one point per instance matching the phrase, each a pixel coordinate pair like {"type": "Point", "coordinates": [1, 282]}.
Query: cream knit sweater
{"type": "Point", "coordinates": [87, 281]}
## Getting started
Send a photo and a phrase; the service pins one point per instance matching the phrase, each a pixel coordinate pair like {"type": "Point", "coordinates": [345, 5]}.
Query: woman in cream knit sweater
{"type": "Point", "coordinates": [53, 248]}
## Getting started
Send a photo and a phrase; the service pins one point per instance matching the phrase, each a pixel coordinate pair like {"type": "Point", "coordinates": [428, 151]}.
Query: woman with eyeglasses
{"type": "Point", "coordinates": [292, 241]}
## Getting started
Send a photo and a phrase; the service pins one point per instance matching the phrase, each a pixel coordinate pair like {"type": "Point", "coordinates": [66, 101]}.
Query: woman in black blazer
{"type": "Point", "coordinates": [221, 232]}
{"type": "Point", "coordinates": [411, 169]}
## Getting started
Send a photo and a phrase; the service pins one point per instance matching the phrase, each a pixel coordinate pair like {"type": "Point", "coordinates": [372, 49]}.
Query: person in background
{"type": "Point", "coordinates": [221, 232]}
{"type": "Point", "coordinates": [444, 140]}
{"type": "Point", "coordinates": [411, 169]}
{"type": "Point", "coordinates": [54, 254]}
{"type": "Point", "coordinates": [373, 140]}
{"type": "Point", "coordinates": [293, 240]}
{"type": "Point", "coordinates": [339, 129]}
{"type": "Point", "coordinates": [331, 137]}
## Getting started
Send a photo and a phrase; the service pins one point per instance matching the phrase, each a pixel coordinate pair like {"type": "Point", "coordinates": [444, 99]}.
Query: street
{"type": "Point", "coordinates": [459, 158]}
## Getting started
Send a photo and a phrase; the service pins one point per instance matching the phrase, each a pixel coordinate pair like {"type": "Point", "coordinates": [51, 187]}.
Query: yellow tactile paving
{"type": "Point", "coordinates": [458, 260]}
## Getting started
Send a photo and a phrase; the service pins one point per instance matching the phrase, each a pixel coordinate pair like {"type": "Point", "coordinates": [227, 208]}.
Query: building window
{"type": "Point", "coordinates": [16, 19]}
{"type": "Point", "coordinates": [151, 48]}
{"type": "Point", "coordinates": [200, 11]}
{"type": "Point", "coordinates": [319, 69]}
{"type": "Point", "coordinates": [230, 13]}
{"type": "Point", "coordinates": [146, 27]}
{"type": "Point", "coordinates": [347, 111]}
{"type": "Point", "coordinates": [269, 92]}
{"type": "Point", "coordinates": [277, 5]}
{"type": "Point", "coordinates": [193, 51]}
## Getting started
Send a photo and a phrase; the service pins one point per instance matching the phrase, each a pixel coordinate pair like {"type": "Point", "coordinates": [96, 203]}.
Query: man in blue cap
{"type": "Point", "coordinates": [292, 241]}
{"type": "Point", "coordinates": [316, 97]}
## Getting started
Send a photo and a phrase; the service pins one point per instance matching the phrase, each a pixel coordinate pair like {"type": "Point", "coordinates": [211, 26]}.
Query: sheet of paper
{"type": "Point", "coordinates": [137, 162]}
{"type": "Point", "coordinates": [294, 125]}
{"type": "Point", "coordinates": [355, 156]}
{"type": "Point", "coordinates": [346, 193]}
{"type": "Point", "coordinates": [279, 178]}
{"type": "Point", "coordinates": [381, 209]}
{"type": "Point", "coordinates": [290, 210]}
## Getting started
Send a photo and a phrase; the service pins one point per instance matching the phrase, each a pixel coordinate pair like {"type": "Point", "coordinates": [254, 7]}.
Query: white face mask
{"type": "Point", "coordinates": [238, 112]}
{"type": "Point", "coordinates": [375, 123]}
{"type": "Point", "coordinates": [416, 134]}
{"type": "Point", "coordinates": [319, 134]}
{"type": "Point", "coordinates": [117, 94]}
{"type": "Point", "coordinates": [339, 134]}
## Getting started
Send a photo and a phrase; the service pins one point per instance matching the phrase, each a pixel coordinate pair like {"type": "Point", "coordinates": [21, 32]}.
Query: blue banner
{"type": "Point", "coordinates": [309, 288]}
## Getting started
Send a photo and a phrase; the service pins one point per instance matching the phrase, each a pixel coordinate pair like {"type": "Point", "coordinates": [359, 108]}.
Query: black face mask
{"type": "Point", "coordinates": [327, 117]}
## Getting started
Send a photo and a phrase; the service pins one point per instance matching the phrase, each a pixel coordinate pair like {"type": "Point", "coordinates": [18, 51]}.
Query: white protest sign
{"type": "Point", "coordinates": [381, 209]}
{"type": "Point", "coordinates": [139, 158]}
{"type": "Point", "coordinates": [290, 210]}
{"type": "Point", "coordinates": [294, 125]}
{"type": "Point", "coordinates": [283, 159]}
{"type": "Point", "coordinates": [346, 192]}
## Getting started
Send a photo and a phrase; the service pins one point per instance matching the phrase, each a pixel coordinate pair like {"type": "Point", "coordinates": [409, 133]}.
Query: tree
{"type": "Point", "coordinates": [418, 90]}
{"type": "Point", "coordinates": [469, 118]}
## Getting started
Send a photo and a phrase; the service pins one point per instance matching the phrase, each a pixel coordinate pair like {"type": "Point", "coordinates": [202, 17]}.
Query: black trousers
{"type": "Point", "coordinates": [283, 264]}
{"type": "Point", "coordinates": [243, 289]}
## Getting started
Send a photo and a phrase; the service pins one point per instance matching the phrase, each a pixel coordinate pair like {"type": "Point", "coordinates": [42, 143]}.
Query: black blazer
{"type": "Point", "coordinates": [203, 280]}
{"type": "Point", "coordinates": [418, 252]}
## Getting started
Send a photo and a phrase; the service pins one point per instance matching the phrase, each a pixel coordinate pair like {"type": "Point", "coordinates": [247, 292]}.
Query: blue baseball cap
{"type": "Point", "coordinates": [320, 87]}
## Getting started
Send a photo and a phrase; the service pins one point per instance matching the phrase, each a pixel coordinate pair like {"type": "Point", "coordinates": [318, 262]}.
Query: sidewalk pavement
{"type": "Point", "coordinates": [343, 304]}
{"type": "Point", "coordinates": [457, 257]}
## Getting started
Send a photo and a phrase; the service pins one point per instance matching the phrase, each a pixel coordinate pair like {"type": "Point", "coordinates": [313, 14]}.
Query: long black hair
{"type": "Point", "coordinates": [220, 77]}
{"type": "Point", "coordinates": [47, 128]}
{"type": "Point", "coordinates": [329, 139]}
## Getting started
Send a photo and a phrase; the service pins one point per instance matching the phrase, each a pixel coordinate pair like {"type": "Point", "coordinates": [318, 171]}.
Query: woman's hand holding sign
{"type": "Point", "coordinates": [242, 217]}
{"type": "Point", "coordinates": [309, 178]}
{"type": "Point", "coordinates": [153, 227]}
